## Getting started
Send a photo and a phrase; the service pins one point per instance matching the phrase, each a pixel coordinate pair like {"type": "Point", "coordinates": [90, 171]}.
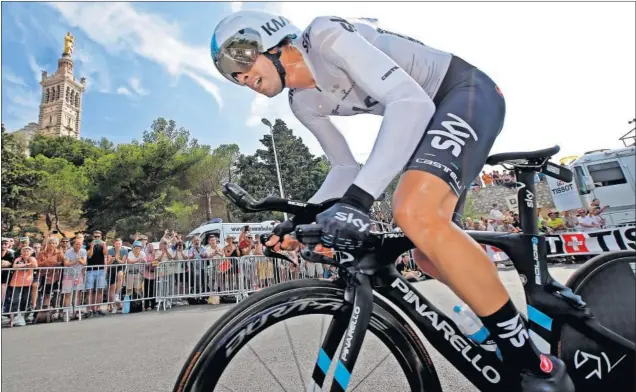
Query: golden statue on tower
{"type": "Point", "coordinates": [69, 43]}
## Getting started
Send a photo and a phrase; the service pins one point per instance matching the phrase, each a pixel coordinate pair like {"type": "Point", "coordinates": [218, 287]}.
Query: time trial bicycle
{"type": "Point", "coordinates": [589, 322]}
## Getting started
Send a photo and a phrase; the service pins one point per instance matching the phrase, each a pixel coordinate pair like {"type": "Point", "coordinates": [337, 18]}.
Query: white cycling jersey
{"type": "Point", "coordinates": [360, 68]}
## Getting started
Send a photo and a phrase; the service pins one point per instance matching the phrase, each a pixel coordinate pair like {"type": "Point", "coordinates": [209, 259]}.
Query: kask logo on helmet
{"type": "Point", "coordinates": [274, 25]}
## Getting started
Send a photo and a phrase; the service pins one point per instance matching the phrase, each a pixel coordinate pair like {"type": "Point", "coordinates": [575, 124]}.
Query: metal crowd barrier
{"type": "Point", "coordinates": [81, 291]}
{"type": "Point", "coordinates": [259, 272]}
{"type": "Point", "coordinates": [115, 288]}
{"type": "Point", "coordinates": [29, 291]}
{"type": "Point", "coordinates": [181, 280]}
{"type": "Point", "coordinates": [77, 291]}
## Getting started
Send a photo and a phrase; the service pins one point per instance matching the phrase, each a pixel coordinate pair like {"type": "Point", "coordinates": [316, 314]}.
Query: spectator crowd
{"type": "Point", "coordinates": [85, 272]}
{"type": "Point", "coordinates": [582, 219]}
{"type": "Point", "coordinates": [89, 273]}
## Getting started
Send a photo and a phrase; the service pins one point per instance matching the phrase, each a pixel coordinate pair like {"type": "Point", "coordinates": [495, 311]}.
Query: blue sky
{"type": "Point", "coordinates": [142, 61]}
{"type": "Point", "coordinates": [568, 80]}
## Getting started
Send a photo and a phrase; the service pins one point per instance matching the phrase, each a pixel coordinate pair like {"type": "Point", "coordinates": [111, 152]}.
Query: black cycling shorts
{"type": "Point", "coordinates": [469, 115]}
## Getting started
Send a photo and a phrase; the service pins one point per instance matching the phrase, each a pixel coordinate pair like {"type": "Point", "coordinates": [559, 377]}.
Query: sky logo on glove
{"type": "Point", "coordinates": [357, 222]}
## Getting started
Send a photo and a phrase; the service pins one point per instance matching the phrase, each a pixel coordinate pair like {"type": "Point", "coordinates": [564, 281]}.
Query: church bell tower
{"type": "Point", "coordinates": [61, 106]}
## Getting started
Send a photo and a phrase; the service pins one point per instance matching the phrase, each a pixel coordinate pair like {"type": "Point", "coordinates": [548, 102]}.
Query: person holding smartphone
{"type": "Point", "coordinates": [95, 277]}
{"type": "Point", "coordinates": [244, 233]}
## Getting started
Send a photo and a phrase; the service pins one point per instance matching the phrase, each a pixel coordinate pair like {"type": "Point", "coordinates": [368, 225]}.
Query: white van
{"type": "Point", "coordinates": [610, 176]}
{"type": "Point", "coordinates": [222, 230]}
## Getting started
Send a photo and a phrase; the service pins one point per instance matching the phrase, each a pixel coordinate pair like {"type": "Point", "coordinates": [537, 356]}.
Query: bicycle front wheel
{"type": "Point", "coordinates": [210, 366]}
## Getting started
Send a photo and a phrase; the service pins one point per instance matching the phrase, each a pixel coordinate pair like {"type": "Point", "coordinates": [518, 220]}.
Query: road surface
{"type": "Point", "coordinates": [144, 352]}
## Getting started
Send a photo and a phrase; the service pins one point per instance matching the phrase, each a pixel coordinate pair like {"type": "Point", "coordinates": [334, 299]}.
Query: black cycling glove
{"type": "Point", "coordinates": [283, 228]}
{"type": "Point", "coordinates": [346, 225]}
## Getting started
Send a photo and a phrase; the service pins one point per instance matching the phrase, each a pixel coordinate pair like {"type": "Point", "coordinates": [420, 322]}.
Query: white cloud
{"type": "Point", "coordinates": [135, 84]}
{"type": "Point", "coordinates": [36, 68]}
{"type": "Point", "coordinates": [9, 76]}
{"type": "Point", "coordinates": [560, 87]}
{"type": "Point", "coordinates": [28, 99]}
{"type": "Point", "coordinates": [206, 84]}
{"type": "Point", "coordinates": [119, 27]}
{"type": "Point", "coordinates": [123, 91]}
{"type": "Point", "coordinates": [236, 5]}
{"type": "Point", "coordinates": [23, 105]}
{"type": "Point", "coordinates": [92, 65]}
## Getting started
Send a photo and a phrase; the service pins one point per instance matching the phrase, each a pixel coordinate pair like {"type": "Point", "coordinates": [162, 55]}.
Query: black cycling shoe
{"type": "Point", "coordinates": [555, 378]}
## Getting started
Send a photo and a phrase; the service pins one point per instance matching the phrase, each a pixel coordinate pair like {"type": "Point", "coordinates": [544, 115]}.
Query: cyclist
{"type": "Point", "coordinates": [441, 118]}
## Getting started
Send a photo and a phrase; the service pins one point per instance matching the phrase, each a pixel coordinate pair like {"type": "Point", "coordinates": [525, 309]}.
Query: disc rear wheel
{"type": "Point", "coordinates": [608, 285]}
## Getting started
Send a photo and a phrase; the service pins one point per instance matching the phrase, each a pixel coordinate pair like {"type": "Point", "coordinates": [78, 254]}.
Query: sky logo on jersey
{"type": "Point", "coordinates": [455, 135]}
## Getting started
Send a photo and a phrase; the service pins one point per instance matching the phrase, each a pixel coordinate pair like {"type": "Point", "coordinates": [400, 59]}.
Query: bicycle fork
{"type": "Point", "coordinates": [352, 323]}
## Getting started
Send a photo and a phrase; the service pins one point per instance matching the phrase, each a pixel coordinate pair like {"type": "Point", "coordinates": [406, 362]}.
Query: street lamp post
{"type": "Point", "coordinates": [280, 183]}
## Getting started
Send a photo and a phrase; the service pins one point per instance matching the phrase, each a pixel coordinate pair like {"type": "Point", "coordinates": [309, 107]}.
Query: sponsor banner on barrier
{"type": "Point", "coordinates": [565, 195]}
{"type": "Point", "coordinates": [592, 242]}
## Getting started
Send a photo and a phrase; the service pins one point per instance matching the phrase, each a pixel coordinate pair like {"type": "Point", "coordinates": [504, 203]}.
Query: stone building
{"type": "Point", "coordinates": [61, 105]}
{"type": "Point", "coordinates": [62, 98]}
{"type": "Point", "coordinates": [24, 134]}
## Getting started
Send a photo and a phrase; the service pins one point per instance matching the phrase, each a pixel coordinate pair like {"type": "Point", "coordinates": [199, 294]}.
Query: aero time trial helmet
{"type": "Point", "coordinates": [241, 37]}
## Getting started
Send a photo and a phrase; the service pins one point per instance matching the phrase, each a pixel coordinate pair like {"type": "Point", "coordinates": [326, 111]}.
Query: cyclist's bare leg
{"type": "Point", "coordinates": [426, 266]}
{"type": "Point", "coordinates": [423, 206]}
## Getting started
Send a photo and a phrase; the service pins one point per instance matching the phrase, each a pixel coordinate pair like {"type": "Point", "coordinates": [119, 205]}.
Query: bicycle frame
{"type": "Point", "coordinates": [550, 304]}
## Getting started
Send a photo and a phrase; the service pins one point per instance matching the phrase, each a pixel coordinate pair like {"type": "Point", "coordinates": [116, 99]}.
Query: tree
{"type": "Point", "coordinates": [231, 151]}
{"type": "Point", "coordinates": [105, 145]}
{"type": "Point", "coordinates": [69, 148]}
{"type": "Point", "coordinates": [162, 129]}
{"type": "Point", "coordinates": [301, 172]}
{"type": "Point", "coordinates": [138, 187]}
{"type": "Point", "coordinates": [61, 190]}
{"type": "Point", "coordinates": [18, 183]}
{"type": "Point", "coordinates": [206, 180]}
{"type": "Point", "coordinates": [206, 177]}
{"type": "Point", "coordinates": [232, 154]}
